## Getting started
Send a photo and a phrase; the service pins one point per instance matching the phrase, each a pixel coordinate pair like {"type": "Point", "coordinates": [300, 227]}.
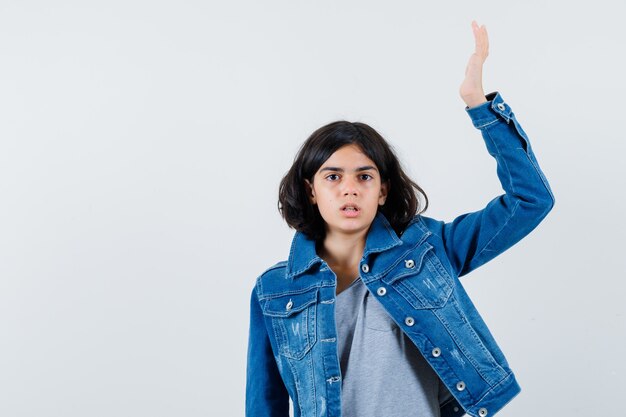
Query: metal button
{"type": "Point", "coordinates": [501, 106]}
{"type": "Point", "coordinates": [409, 263]}
{"type": "Point", "coordinates": [482, 412]}
{"type": "Point", "coordinates": [456, 409]}
{"type": "Point", "coordinates": [381, 291]}
{"type": "Point", "coordinates": [409, 321]}
{"type": "Point", "coordinates": [436, 352]}
{"type": "Point", "coordinates": [460, 385]}
{"type": "Point", "coordinates": [289, 305]}
{"type": "Point", "coordinates": [365, 268]}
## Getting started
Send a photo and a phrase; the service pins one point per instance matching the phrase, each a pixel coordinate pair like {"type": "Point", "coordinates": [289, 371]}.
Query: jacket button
{"type": "Point", "coordinates": [482, 412]}
{"type": "Point", "coordinates": [436, 352]}
{"type": "Point", "coordinates": [409, 263]}
{"type": "Point", "coordinates": [501, 107]}
{"type": "Point", "coordinates": [409, 321]}
{"type": "Point", "coordinates": [381, 291]}
{"type": "Point", "coordinates": [289, 305]}
{"type": "Point", "coordinates": [461, 386]}
{"type": "Point", "coordinates": [365, 268]}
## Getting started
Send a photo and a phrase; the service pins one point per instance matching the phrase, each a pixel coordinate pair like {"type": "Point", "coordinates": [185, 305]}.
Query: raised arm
{"type": "Point", "coordinates": [473, 239]}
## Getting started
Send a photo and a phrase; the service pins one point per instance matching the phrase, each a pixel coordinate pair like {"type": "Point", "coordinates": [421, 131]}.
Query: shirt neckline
{"type": "Point", "coordinates": [352, 284]}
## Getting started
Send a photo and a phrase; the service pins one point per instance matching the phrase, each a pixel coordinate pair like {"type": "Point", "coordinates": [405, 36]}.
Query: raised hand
{"type": "Point", "coordinates": [471, 89]}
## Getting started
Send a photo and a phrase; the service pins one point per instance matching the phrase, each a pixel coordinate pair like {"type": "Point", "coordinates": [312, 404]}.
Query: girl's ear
{"type": "Point", "coordinates": [384, 191]}
{"type": "Point", "coordinates": [310, 192]}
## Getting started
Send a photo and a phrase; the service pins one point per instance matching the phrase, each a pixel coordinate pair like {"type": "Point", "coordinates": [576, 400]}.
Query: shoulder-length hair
{"type": "Point", "coordinates": [402, 202]}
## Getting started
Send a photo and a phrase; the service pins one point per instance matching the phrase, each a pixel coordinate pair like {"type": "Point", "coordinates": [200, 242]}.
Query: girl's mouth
{"type": "Point", "coordinates": [350, 211]}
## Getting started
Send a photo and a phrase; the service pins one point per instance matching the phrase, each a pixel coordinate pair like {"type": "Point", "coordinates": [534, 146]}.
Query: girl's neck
{"type": "Point", "coordinates": [343, 251]}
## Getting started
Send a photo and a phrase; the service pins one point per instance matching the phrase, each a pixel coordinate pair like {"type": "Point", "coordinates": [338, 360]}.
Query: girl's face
{"type": "Point", "coordinates": [347, 179]}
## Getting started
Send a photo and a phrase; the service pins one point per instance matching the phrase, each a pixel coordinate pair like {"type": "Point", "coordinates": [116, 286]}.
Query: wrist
{"type": "Point", "coordinates": [475, 101]}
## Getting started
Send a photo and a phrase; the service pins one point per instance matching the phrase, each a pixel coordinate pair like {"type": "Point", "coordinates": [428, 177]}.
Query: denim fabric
{"type": "Point", "coordinates": [292, 346]}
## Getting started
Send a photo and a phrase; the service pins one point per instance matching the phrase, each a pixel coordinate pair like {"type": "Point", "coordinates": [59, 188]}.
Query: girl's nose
{"type": "Point", "coordinates": [349, 187]}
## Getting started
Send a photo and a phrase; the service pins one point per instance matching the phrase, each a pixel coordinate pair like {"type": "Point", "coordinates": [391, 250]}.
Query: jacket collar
{"type": "Point", "coordinates": [303, 255]}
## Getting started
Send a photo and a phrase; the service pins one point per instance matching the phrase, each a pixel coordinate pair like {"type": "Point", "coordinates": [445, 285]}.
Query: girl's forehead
{"type": "Point", "coordinates": [348, 154]}
{"type": "Point", "coordinates": [348, 161]}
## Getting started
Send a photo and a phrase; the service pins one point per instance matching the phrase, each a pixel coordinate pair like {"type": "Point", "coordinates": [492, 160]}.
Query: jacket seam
{"type": "Point", "coordinates": [494, 387]}
{"type": "Point", "coordinates": [541, 176]}
{"type": "Point", "coordinates": [297, 384]}
{"type": "Point", "coordinates": [487, 124]}
{"type": "Point", "coordinates": [506, 166]}
{"type": "Point", "coordinates": [292, 292]}
{"type": "Point", "coordinates": [517, 204]}
{"type": "Point", "coordinates": [464, 349]}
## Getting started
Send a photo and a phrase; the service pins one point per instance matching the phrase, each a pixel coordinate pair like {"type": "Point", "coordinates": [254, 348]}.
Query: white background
{"type": "Point", "coordinates": [141, 148]}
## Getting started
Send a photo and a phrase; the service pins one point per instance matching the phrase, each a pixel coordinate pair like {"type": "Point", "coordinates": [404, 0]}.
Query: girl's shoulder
{"type": "Point", "coordinates": [270, 274]}
{"type": "Point", "coordinates": [426, 225]}
{"type": "Point", "coordinates": [277, 265]}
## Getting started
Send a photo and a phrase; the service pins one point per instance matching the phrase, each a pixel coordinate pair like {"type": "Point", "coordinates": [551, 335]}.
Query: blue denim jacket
{"type": "Point", "coordinates": [292, 347]}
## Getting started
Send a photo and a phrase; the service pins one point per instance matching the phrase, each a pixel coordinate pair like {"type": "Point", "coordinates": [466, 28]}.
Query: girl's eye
{"type": "Point", "coordinates": [366, 177]}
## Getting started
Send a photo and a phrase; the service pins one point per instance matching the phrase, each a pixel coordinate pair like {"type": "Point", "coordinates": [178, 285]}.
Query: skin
{"type": "Point", "coordinates": [344, 244]}
{"type": "Point", "coordinates": [471, 89]}
{"type": "Point", "coordinates": [343, 247]}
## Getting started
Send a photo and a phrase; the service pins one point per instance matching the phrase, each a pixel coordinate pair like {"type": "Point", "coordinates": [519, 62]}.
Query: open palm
{"type": "Point", "coordinates": [471, 89]}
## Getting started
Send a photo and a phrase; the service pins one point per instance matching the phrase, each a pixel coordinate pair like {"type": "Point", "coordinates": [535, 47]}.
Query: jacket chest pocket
{"type": "Point", "coordinates": [293, 318]}
{"type": "Point", "coordinates": [421, 279]}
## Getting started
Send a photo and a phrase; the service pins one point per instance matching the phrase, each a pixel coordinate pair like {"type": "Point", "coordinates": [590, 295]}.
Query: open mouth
{"type": "Point", "coordinates": [350, 208]}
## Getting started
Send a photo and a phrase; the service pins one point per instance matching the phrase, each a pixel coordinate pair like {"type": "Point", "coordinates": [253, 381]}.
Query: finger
{"type": "Point", "coordinates": [477, 35]}
{"type": "Point", "coordinates": [486, 36]}
{"type": "Point", "coordinates": [476, 30]}
{"type": "Point", "coordinates": [482, 43]}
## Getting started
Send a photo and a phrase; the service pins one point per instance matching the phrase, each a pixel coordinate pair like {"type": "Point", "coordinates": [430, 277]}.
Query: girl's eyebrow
{"type": "Point", "coordinates": [364, 168]}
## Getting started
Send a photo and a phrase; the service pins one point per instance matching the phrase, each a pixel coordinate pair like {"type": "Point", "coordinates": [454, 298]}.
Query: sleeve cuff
{"type": "Point", "coordinates": [487, 113]}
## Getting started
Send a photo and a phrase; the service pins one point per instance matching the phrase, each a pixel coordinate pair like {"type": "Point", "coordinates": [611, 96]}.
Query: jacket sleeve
{"type": "Point", "coordinates": [472, 239]}
{"type": "Point", "coordinates": [266, 395]}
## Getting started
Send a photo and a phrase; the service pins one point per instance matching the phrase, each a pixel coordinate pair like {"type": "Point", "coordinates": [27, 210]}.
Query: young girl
{"type": "Point", "coordinates": [367, 317]}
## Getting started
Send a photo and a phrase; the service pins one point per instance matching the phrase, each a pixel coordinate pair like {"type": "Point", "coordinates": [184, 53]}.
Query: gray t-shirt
{"type": "Point", "coordinates": [383, 373]}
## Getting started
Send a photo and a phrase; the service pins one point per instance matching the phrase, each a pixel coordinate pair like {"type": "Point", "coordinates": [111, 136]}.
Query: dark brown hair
{"type": "Point", "coordinates": [401, 205]}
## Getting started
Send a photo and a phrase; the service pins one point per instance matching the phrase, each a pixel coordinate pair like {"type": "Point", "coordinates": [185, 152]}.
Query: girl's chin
{"type": "Point", "coordinates": [348, 224]}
